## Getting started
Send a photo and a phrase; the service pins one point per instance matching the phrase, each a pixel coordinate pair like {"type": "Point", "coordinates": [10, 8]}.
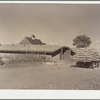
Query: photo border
{"type": "Point", "coordinates": [50, 94]}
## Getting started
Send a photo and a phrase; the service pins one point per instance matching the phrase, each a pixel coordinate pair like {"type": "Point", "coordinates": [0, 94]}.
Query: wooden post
{"type": "Point", "coordinates": [61, 54]}
{"type": "Point", "coordinates": [50, 57]}
{"type": "Point", "coordinates": [45, 56]}
{"type": "Point", "coordinates": [26, 52]}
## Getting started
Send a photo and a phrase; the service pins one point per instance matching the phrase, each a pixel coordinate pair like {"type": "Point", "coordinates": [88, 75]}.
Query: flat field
{"type": "Point", "coordinates": [63, 76]}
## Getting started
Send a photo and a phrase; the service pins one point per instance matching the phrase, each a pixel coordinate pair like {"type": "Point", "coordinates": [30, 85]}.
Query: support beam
{"type": "Point", "coordinates": [61, 54]}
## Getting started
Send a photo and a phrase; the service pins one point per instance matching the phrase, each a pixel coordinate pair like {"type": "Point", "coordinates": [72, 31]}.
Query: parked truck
{"type": "Point", "coordinates": [87, 57]}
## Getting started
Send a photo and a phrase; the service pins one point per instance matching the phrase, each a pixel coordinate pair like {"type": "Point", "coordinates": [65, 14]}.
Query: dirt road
{"type": "Point", "coordinates": [49, 76]}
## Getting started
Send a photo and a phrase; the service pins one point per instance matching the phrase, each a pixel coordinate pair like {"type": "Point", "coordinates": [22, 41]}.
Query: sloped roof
{"type": "Point", "coordinates": [74, 49]}
{"type": "Point", "coordinates": [31, 48]}
{"type": "Point", "coordinates": [28, 40]}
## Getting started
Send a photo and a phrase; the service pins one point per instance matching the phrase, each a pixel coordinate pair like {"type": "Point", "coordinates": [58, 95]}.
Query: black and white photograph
{"type": "Point", "coordinates": [49, 46]}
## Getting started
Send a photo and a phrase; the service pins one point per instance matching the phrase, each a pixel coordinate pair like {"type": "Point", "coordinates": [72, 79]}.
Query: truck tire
{"type": "Point", "coordinates": [77, 64]}
{"type": "Point", "coordinates": [97, 64]}
{"type": "Point", "coordinates": [92, 65]}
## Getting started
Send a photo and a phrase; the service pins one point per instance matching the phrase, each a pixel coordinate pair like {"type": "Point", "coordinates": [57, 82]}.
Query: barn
{"type": "Point", "coordinates": [56, 53]}
{"type": "Point", "coordinates": [31, 41]}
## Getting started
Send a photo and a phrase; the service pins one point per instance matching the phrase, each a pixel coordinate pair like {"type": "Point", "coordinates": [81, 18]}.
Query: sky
{"type": "Point", "coordinates": [55, 24]}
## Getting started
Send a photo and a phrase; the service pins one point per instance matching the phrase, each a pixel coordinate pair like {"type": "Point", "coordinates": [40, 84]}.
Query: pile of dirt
{"type": "Point", "coordinates": [86, 55]}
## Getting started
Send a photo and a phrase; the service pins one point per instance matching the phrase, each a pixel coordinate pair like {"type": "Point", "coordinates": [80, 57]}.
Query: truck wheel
{"type": "Point", "coordinates": [92, 65]}
{"type": "Point", "coordinates": [97, 64]}
{"type": "Point", "coordinates": [77, 64]}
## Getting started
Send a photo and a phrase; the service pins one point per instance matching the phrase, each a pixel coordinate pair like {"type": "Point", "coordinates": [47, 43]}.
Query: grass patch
{"type": "Point", "coordinates": [1, 62]}
{"type": "Point", "coordinates": [27, 58]}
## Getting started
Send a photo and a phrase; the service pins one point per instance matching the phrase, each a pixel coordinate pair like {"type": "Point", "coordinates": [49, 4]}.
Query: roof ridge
{"type": "Point", "coordinates": [29, 40]}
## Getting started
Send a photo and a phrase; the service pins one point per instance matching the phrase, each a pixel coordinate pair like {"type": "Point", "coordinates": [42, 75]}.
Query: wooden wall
{"type": "Point", "coordinates": [64, 55]}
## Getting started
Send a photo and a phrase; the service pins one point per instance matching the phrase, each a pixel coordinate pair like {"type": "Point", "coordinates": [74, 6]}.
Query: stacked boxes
{"type": "Point", "coordinates": [86, 55]}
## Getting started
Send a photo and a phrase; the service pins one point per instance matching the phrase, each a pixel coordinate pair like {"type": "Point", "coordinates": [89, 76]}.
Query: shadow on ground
{"type": "Point", "coordinates": [80, 66]}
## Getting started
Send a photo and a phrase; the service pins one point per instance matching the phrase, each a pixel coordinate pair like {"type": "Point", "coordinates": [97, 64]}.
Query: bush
{"type": "Point", "coordinates": [26, 58]}
{"type": "Point", "coordinates": [1, 62]}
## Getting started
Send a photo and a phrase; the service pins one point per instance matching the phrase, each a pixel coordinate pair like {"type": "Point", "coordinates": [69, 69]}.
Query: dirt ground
{"type": "Point", "coordinates": [63, 76]}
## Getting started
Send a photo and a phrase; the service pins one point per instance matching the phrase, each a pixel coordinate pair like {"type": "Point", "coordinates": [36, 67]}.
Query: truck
{"type": "Point", "coordinates": [87, 57]}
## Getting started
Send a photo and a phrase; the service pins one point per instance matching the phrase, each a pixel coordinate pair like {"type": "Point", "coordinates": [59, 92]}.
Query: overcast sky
{"type": "Point", "coordinates": [55, 24]}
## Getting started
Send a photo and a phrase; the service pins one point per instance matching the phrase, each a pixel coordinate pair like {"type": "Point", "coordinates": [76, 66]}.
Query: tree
{"type": "Point", "coordinates": [82, 41]}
